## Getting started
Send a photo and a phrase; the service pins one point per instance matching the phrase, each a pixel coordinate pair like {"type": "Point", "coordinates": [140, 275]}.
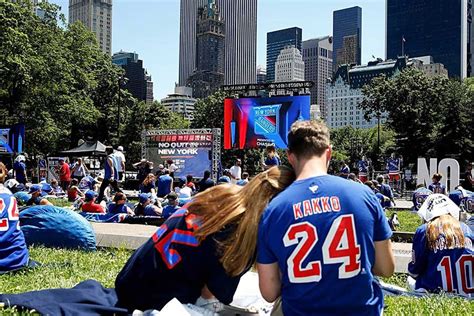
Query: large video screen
{"type": "Point", "coordinates": [259, 122]}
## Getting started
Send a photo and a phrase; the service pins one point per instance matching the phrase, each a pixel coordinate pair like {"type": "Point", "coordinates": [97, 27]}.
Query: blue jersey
{"type": "Point", "coordinates": [87, 183]}
{"type": "Point", "coordinates": [108, 170]}
{"type": "Point", "coordinates": [449, 270]}
{"type": "Point", "coordinates": [274, 161]}
{"type": "Point", "coordinates": [114, 208]}
{"type": "Point", "coordinates": [13, 251]}
{"type": "Point", "coordinates": [363, 166]}
{"type": "Point", "coordinates": [345, 170]}
{"type": "Point", "coordinates": [174, 264]}
{"type": "Point", "coordinates": [321, 232]}
{"type": "Point", "coordinates": [20, 171]}
{"type": "Point", "coordinates": [419, 197]}
{"type": "Point", "coordinates": [168, 210]}
{"type": "Point", "coordinates": [437, 188]}
{"type": "Point", "coordinates": [464, 199]}
{"type": "Point", "coordinates": [386, 190]}
{"type": "Point", "coordinates": [393, 165]}
{"type": "Point", "coordinates": [164, 185]}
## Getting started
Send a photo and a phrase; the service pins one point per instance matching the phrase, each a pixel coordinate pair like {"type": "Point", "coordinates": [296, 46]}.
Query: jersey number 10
{"type": "Point", "coordinates": [464, 272]}
{"type": "Point", "coordinates": [340, 246]}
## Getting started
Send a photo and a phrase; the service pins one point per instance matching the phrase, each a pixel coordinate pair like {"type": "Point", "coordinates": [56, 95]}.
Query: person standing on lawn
{"type": "Point", "coordinates": [64, 174]}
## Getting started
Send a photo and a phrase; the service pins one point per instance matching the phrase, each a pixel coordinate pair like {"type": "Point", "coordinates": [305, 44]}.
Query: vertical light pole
{"type": "Point", "coordinates": [118, 109]}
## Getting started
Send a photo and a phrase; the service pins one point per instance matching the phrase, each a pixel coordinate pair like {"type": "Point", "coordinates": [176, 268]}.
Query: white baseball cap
{"type": "Point", "coordinates": [436, 205]}
{"type": "Point", "coordinates": [120, 148]}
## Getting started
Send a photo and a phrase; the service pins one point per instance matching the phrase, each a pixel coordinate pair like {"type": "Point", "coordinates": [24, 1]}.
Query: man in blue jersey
{"type": "Point", "coordinates": [463, 198]}
{"type": "Point", "coordinates": [386, 190]}
{"type": "Point", "coordinates": [393, 168]}
{"type": "Point", "coordinates": [13, 252]}
{"type": "Point", "coordinates": [110, 174]}
{"type": "Point", "coordinates": [419, 196]}
{"type": "Point", "coordinates": [19, 167]}
{"type": "Point", "coordinates": [322, 240]}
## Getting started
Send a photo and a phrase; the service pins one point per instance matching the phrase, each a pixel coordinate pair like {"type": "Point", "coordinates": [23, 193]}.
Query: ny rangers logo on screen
{"type": "Point", "coordinates": [267, 119]}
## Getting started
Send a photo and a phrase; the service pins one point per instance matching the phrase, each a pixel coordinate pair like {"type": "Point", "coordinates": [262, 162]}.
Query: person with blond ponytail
{"type": "Point", "coordinates": [442, 255]}
{"type": "Point", "coordinates": [199, 254]}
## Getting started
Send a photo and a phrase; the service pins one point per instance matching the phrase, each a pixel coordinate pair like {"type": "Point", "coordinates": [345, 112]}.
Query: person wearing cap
{"type": "Point", "coordinates": [13, 251]}
{"type": "Point", "coordinates": [120, 158]}
{"type": "Point", "coordinates": [36, 197]}
{"type": "Point", "coordinates": [173, 205]}
{"type": "Point", "coordinates": [19, 169]}
{"type": "Point", "coordinates": [89, 205]}
{"type": "Point", "coordinates": [437, 186]}
{"type": "Point", "coordinates": [223, 180]}
{"type": "Point", "coordinates": [164, 184]}
{"type": "Point", "coordinates": [442, 253]}
{"type": "Point", "coordinates": [145, 207]}
{"type": "Point", "coordinates": [235, 171]}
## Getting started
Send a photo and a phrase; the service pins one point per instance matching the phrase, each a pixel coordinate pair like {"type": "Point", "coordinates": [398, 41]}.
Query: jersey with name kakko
{"type": "Point", "coordinates": [450, 270]}
{"type": "Point", "coordinates": [321, 232]}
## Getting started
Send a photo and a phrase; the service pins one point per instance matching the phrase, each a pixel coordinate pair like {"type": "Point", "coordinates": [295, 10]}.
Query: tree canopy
{"type": "Point", "coordinates": [55, 79]}
{"type": "Point", "coordinates": [431, 116]}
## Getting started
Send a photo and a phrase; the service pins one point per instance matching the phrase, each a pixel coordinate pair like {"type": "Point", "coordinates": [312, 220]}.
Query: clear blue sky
{"type": "Point", "coordinates": [151, 29]}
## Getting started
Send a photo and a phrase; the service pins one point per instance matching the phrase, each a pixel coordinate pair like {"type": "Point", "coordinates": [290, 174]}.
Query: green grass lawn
{"type": "Point", "coordinates": [409, 221]}
{"type": "Point", "coordinates": [65, 268]}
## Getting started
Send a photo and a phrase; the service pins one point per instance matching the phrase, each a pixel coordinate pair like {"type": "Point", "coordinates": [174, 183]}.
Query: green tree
{"type": "Point", "coordinates": [142, 116]}
{"type": "Point", "coordinates": [427, 114]}
{"type": "Point", "coordinates": [54, 79]}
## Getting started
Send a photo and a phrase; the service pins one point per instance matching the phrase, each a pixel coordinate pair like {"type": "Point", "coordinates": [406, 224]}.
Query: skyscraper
{"type": "Point", "coordinates": [261, 74]}
{"type": "Point", "coordinates": [278, 40]}
{"type": "Point", "coordinates": [96, 15]}
{"type": "Point", "coordinates": [136, 75]}
{"type": "Point", "coordinates": [240, 19]}
{"type": "Point", "coordinates": [317, 57]}
{"type": "Point", "coordinates": [438, 28]}
{"type": "Point", "coordinates": [208, 76]}
{"type": "Point", "coordinates": [289, 65]}
{"type": "Point", "coordinates": [347, 36]}
{"type": "Point", "coordinates": [149, 89]}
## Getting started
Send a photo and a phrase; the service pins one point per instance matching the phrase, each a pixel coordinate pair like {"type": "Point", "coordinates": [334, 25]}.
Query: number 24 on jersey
{"type": "Point", "coordinates": [340, 246]}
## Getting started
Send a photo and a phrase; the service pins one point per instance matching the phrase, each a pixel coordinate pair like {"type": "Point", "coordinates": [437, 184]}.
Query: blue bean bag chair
{"type": "Point", "coordinates": [56, 227]}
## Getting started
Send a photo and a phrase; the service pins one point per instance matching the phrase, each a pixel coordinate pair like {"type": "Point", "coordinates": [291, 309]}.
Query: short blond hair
{"type": "Point", "coordinates": [308, 138]}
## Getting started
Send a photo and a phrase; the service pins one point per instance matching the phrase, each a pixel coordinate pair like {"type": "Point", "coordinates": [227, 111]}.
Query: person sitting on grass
{"type": "Point", "coordinates": [73, 192]}
{"type": "Point", "coordinates": [199, 254]}
{"type": "Point", "coordinates": [244, 180]}
{"type": "Point", "coordinates": [145, 207]}
{"type": "Point", "coordinates": [184, 192]}
{"type": "Point", "coordinates": [89, 205]}
{"type": "Point", "coordinates": [173, 205]}
{"type": "Point", "coordinates": [119, 206]}
{"type": "Point", "coordinates": [442, 253]}
{"type": "Point", "coordinates": [57, 190]}
{"type": "Point", "coordinates": [419, 196]}
{"type": "Point", "coordinates": [148, 185]}
{"type": "Point", "coordinates": [206, 182]}
{"type": "Point", "coordinates": [36, 197]}
{"type": "Point", "coordinates": [13, 251]}
{"type": "Point", "coordinates": [190, 184]}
